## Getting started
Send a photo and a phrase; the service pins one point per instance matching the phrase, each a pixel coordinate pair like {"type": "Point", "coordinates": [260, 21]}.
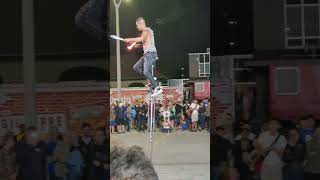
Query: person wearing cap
{"type": "Point", "coordinates": [245, 130]}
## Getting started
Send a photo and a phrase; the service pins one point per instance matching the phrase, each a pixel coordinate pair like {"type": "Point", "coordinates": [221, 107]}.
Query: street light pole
{"type": "Point", "coordinates": [117, 6]}
{"type": "Point", "coordinates": [28, 62]}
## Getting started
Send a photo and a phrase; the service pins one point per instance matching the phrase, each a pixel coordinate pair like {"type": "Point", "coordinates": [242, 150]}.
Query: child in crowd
{"type": "Point", "coordinates": [183, 123]}
{"type": "Point", "coordinates": [166, 126]}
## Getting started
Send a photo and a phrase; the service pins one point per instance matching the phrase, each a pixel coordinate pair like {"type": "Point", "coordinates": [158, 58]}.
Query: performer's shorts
{"type": "Point", "coordinates": [113, 123]}
{"type": "Point", "coordinates": [118, 122]}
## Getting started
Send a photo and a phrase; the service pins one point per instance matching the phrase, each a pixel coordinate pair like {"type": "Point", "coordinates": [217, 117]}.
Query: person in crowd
{"type": "Point", "coordinates": [242, 151]}
{"type": "Point", "coordinates": [166, 114]}
{"type": "Point", "coordinates": [161, 109]}
{"type": "Point", "coordinates": [85, 141]}
{"type": "Point", "coordinates": [307, 127]}
{"type": "Point", "coordinates": [133, 116]}
{"type": "Point", "coordinates": [125, 120]}
{"type": "Point", "coordinates": [21, 133]}
{"type": "Point", "coordinates": [183, 122]}
{"type": "Point", "coordinates": [245, 130]}
{"type": "Point", "coordinates": [31, 155]}
{"type": "Point", "coordinates": [188, 117]}
{"type": "Point", "coordinates": [8, 166]}
{"type": "Point", "coordinates": [61, 155]}
{"type": "Point", "coordinates": [264, 127]}
{"type": "Point", "coordinates": [172, 109]}
{"type": "Point", "coordinates": [51, 146]}
{"type": "Point", "coordinates": [129, 116]}
{"type": "Point", "coordinates": [112, 120]}
{"type": "Point", "coordinates": [142, 117]}
{"type": "Point", "coordinates": [166, 125]}
{"type": "Point", "coordinates": [312, 167]}
{"type": "Point", "coordinates": [222, 149]}
{"type": "Point", "coordinates": [227, 120]}
{"type": "Point", "coordinates": [157, 114]}
{"type": "Point", "coordinates": [207, 113]}
{"type": "Point", "coordinates": [194, 107]}
{"type": "Point", "coordinates": [179, 110]}
{"type": "Point", "coordinates": [118, 117]}
{"type": "Point", "coordinates": [293, 156]}
{"type": "Point", "coordinates": [120, 112]}
{"type": "Point", "coordinates": [98, 157]}
{"type": "Point", "coordinates": [75, 163]}
{"type": "Point", "coordinates": [271, 145]}
{"type": "Point", "coordinates": [130, 163]}
{"type": "Point", "coordinates": [202, 116]}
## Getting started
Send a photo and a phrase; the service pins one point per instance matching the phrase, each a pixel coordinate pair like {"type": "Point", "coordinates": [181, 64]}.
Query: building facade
{"type": "Point", "coordinates": [278, 76]}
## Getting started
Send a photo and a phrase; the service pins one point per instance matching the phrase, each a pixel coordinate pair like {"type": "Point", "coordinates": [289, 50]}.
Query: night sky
{"type": "Point", "coordinates": [180, 26]}
{"type": "Point", "coordinates": [55, 30]}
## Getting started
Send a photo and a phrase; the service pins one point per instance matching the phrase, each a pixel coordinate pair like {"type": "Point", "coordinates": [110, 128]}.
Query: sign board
{"type": "Point", "coordinates": [44, 122]}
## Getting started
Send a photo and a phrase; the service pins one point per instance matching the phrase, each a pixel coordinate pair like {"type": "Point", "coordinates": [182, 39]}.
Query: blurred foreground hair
{"type": "Point", "coordinates": [130, 164]}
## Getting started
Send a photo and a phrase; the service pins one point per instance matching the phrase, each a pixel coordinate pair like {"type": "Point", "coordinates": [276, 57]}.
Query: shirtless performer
{"type": "Point", "coordinates": [144, 65]}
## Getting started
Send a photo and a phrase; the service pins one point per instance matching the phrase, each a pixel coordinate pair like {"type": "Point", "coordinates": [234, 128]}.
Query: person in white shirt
{"type": "Point", "coordinates": [271, 145]}
{"type": "Point", "coordinates": [194, 107]}
{"type": "Point", "coordinates": [166, 125]}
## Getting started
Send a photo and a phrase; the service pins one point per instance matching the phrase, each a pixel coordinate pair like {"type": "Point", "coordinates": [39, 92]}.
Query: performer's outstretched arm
{"type": "Point", "coordinates": [138, 39]}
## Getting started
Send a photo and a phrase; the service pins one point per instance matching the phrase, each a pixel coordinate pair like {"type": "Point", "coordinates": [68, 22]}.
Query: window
{"type": "Point", "coordinates": [199, 87]}
{"type": "Point", "coordinates": [204, 64]}
{"type": "Point", "coordinates": [287, 81]}
{"type": "Point", "coordinates": [302, 19]}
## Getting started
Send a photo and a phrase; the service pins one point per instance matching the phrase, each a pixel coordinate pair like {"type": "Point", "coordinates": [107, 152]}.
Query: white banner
{"type": "Point", "coordinates": [44, 121]}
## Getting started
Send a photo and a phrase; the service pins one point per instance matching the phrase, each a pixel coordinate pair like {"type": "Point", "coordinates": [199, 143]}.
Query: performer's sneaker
{"type": "Point", "coordinates": [157, 91]}
{"type": "Point", "coordinates": [149, 83]}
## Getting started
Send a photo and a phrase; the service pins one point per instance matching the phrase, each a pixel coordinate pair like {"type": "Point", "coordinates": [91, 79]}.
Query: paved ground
{"type": "Point", "coordinates": [176, 156]}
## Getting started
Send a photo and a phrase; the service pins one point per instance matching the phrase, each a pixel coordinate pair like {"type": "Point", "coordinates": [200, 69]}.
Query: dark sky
{"type": "Point", "coordinates": [180, 26]}
{"type": "Point", "coordinates": [55, 30]}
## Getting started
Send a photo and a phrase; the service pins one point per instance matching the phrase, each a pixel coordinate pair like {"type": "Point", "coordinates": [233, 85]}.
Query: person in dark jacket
{"type": "Point", "coordinates": [142, 117]}
{"type": "Point", "coordinates": [118, 111]}
{"type": "Point", "coordinates": [31, 154]}
{"type": "Point", "coordinates": [202, 116]}
{"type": "Point", "coordinates": [293, 156]}
{"type": "Point", "coordinates": [125, 120]}
{"type": "Point", "coordinates": [85, 141]}
{"type": "Point", "coordinates": [98, 157]}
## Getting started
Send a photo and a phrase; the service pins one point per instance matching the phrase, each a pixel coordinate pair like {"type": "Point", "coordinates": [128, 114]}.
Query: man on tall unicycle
{"type": "Point", "coordinates": [145, 64]}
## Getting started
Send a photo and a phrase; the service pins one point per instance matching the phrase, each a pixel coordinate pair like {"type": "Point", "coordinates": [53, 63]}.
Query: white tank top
{"type": "Point", "coordinates": [153, 46]}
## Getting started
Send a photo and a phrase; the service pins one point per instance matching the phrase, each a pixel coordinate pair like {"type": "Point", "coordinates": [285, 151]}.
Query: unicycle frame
{"type": "Point", "coordinates": [151, 118]}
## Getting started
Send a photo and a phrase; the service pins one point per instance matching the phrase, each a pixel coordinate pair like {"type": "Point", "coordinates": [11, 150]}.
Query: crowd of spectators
{"type": "Point", "coordinates": [279, 151]}
{"type": "Point", "coordinates": [170, 116]}
{"type": "Point", "coordinates": [33, 155]}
